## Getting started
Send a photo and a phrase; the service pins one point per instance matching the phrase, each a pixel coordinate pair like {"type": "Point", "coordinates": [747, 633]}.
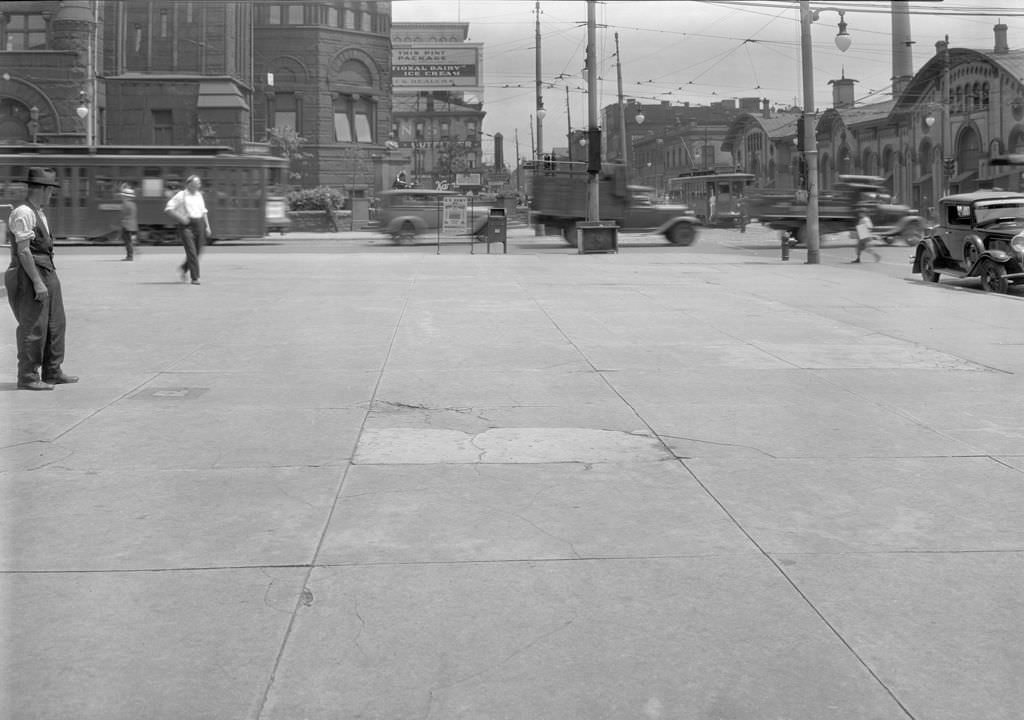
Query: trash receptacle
{"type": "Point", "coordinates": [597, 237]}
{"type": "Point", "coordinates": [497, 228]}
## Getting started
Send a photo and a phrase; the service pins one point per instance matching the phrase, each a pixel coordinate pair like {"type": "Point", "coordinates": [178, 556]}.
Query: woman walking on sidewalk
{"type": "Point", "coordinates": [189, 208]}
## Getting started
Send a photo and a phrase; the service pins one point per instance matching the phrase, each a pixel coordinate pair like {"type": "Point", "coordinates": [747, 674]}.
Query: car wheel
{"type": "Point", "coordinates": [993, 277]}
{"type": "Point", "coordinates": [681, 234]}
{"type": "Point", "coordinates": [913, 235]}
{"type": "Point", "coordinates": [928, 273]}
{"type": "Point", "coordinates": [406, 234]}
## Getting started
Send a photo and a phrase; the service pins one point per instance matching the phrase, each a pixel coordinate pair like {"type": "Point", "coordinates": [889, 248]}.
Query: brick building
{"type": "Point", "coordinates": [170, 72]}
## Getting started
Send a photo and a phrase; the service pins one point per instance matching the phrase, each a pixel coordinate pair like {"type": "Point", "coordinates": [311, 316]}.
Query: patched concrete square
{"type": "Point", "coordinates": [405, 445]}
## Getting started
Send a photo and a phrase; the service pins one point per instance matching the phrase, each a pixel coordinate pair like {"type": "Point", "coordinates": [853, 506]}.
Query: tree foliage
{"type": "Point", "coordinates": [287, 143]}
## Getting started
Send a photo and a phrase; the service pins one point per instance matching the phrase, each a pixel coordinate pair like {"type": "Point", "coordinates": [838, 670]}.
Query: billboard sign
{"type": "Point", "coordinates": [441, 66]}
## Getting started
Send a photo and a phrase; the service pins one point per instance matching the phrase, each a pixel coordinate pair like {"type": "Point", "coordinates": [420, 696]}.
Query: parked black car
{"type": "Point", "coordinates": [980, 234]}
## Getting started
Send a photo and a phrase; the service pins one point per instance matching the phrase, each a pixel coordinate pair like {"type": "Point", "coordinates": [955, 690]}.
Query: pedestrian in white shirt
{"type": "Point", "coordinates": [188, 208]}
{"type": "Point", "coordinates": [865, 232]}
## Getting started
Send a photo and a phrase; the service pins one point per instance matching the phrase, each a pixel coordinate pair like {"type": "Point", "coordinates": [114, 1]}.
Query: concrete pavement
{"type": "Point", "coordinates": [657, 485]}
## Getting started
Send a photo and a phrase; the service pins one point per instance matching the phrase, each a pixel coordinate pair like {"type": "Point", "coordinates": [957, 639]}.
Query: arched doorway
{"type": "Point", "coordinates": [15, 118]}
{"type": "Point", "coordinates": [968, 157]}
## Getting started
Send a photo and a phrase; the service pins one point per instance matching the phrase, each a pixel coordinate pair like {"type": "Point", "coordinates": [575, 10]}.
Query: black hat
{"type": "Point", "coordinates": [42, 176]}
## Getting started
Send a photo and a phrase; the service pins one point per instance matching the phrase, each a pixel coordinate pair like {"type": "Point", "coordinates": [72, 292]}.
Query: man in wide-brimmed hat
{"type": "Point", "coordinates": [33, 288]}
{"type": "Point", "coordinates": [129, 221]}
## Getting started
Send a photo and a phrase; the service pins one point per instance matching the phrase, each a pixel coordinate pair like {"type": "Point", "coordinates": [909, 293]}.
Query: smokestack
{"type": "Point", "coordinates": [1001, 46]}
{"type": "Point", "coordinates": [902, 56]}
{"type": "Point", "coordinates": [499, 151]}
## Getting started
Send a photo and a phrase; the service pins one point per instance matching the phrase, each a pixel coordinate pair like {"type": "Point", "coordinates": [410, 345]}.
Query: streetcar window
{"type": "Point", "coordinates": [106, 184]}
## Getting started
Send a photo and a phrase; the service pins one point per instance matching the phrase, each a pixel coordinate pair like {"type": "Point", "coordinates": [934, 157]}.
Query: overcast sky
{"type": "Point", "coordinates": [689, 51]}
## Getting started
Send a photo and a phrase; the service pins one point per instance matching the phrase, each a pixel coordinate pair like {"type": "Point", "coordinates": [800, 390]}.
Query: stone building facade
{"type": "Point", "coordinates": [177, 73]}
{"type": "Point", "coordinates": [962, 108]}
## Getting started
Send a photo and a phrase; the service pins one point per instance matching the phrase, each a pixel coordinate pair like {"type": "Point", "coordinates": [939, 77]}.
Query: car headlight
{"type": "Point", "coordinates": [1018, 243]}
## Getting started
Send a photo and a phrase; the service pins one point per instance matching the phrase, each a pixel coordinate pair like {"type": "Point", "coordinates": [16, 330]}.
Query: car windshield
{"type": "Point", "coordinates": [1011, 209]}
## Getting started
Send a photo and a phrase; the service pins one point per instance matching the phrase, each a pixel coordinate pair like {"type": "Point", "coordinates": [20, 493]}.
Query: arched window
{"type": "Point", "coordinates": [354, 112]}
{"type": "Point", "coordinates": [869, 163]}
{"type": "Point", "coordinates": [968, 150]}
{"type": "Point", "coordinates": [924, 158]}
{"type": "Point", "coordinates": [976, 96]}
{"type": "Point", "coordinates": [888, 161]}
{"type": "Point", "coordinates": [845, 160]}
{"type": "Point", "coordinates": [1016, 144]}
{"type": "Point", "coordinates": [958, 102]}
{"type": "Point", "coordinates": [14, 122]}
{"type": "Point", "coordinates": [984, 95]}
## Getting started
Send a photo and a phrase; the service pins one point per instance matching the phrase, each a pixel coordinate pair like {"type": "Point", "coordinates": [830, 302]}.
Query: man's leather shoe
{"type": "Point", "coordinates": [60, 379]}
{"type": "Point", "coordinates": [34, 385]}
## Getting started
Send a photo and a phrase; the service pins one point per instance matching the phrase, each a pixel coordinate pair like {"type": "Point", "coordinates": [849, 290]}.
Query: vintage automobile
{"type": "Point", "coordinates": [561, 201]}
{"type": "Point", "coordinates": [838, 210]}
{"type": "Point", "coordinates": [980, 234]}
{"type": "Point", "coordinates": [403, 214]}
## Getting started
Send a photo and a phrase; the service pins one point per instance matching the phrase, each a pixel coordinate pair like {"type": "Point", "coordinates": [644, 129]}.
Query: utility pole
{"type": "Point", "coordinates": [519, 162]}
{"type": "Point", "coordinates": [540, 98]}
{"type": "Point", "coordinates": [568, 122]}
{"type": "Point", "coordinates": [622, 113]}
{"type": "Point", "coordinates": [593, 133]}
{"type": "Point", "coordinates": [812, 238]}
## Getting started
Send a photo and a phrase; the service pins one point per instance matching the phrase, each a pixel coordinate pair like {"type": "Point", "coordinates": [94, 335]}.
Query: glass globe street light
{"type": "Point", "coordinates": [843, 41]}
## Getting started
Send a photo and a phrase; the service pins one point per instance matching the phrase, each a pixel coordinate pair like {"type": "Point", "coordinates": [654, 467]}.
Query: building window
{"type": "Point", "coordinates": [188, 12]}
{"type": "Point", "coordinates": [163, 24]}
{"type": "Point", "coordinates": [138, 38]}
{"type": "Point", "coordinates": [296, 15]}
{"type": "Point", "coordinates": [163, 127]}
{"type": "Point", "coordinates": [365, 19]}
{"type": "Point", "coordinates": [332, 17]}
{"type": "Point", "coordinates": [349, 19]}
{"type": "Point", "coordinates": [286, 110]}
{"type": "Point", "coordinates": [353, 119]}
{"type": "Point", "coordinates": [273, 16]}
{"type": "Point", "coordinates": [25, 31]}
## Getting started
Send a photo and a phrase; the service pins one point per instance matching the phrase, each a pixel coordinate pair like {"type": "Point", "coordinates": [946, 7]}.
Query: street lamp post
{"type": "Point", "coordinates": [843, 40]}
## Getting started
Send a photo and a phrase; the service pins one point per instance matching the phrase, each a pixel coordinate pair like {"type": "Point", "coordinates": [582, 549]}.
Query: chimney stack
{"type": "Point", "coordinates": [1001, 46]}
{"type": "Point", "coordinates": [902, 57]}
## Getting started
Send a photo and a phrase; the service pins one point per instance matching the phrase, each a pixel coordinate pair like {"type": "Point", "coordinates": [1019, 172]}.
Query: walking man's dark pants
{"type": "Point", "coordinates": [193, 237]}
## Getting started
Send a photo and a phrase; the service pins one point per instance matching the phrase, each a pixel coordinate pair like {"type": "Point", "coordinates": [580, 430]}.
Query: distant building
{"type": "Point", "coordinates": [437, 111]}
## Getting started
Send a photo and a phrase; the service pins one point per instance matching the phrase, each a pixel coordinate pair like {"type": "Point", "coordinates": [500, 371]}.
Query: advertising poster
{"type": "Point", "coordinates": [456, 208]}
{"type": "Point", "coordinates": [436, 67]}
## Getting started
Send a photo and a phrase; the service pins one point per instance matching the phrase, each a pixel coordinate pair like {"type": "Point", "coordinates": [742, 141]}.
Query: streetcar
{"type": "Point", "coordinates": [244, 192]}
{"type": "Point", "coordinates": [718, 198]}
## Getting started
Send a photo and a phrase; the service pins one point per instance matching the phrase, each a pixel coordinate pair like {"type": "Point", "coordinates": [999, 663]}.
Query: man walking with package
{"type": "Point", "coordinates": [33, 288]}
{"type": "Point", "coordinates": [189, 208]}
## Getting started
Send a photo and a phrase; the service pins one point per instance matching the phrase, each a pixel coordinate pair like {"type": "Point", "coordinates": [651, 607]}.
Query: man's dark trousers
{"type": "Point", "coordinates": [41, 326]}
{"type": "Point", "coordinates": [193, 237]}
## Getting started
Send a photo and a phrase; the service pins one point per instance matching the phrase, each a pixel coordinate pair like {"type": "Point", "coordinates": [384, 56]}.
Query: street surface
{"type": "Point", "coordinates": [758, 243]}
{"type": "Point", "coordinates": [341, 479]}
